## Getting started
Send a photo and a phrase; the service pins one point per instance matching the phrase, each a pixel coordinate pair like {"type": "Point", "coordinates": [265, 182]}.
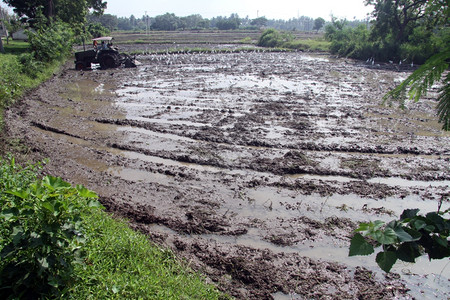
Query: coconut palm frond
{"type": "Point", "coordinates": [418, 83]}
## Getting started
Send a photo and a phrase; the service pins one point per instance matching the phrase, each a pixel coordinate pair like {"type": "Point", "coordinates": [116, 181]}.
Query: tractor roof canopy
{"type": "Point", "coordinates": [103, 38]}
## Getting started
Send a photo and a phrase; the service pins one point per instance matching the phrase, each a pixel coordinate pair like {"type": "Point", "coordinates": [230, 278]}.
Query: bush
{"type": "Point", "coordinates": [50, 43]}
{"type": "Point", "coordinates": [350, 42]}
{"type": "Point", "coordinates": [10, 78]}
{"type": "Point", "coordinates": [30, 66]}
{"type": "Point", "coordinates": [42, 232]}
{"type": "Point", "coordinates": [270, 38]}
{"type": "Point", "coordinates": [273, 38]}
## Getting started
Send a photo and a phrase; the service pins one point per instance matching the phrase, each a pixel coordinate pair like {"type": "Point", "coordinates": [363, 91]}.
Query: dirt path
{"type": "Point", "coordinates": [254, 167]}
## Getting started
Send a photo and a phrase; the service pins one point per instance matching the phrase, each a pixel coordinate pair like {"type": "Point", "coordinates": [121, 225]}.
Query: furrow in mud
{"type": "Point", "coordinates": [254, 167]}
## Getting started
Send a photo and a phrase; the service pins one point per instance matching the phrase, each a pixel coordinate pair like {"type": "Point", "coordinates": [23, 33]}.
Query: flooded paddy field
{"type": "Point", "coordinates": [253, 167]}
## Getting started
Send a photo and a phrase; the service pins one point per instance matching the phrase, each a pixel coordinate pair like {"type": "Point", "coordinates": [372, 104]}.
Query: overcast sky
{"type": "Point", "coordinates": [271, 9]}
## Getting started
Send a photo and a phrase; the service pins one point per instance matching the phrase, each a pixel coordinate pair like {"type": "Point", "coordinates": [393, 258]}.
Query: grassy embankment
{"type": "Point", "coordinates": [199, 41]}
{"type": "Point", "coordinates": [15, 78]}
{"type": "Point", "coordinates": [119, 263]}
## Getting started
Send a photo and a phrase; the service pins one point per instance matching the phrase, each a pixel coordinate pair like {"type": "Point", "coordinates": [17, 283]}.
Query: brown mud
{"type": "Point", "coordinates": [253, 167]}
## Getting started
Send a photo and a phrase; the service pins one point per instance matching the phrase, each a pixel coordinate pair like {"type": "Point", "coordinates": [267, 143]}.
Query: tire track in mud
{"type": "Point", "coordinates": [223, 157]}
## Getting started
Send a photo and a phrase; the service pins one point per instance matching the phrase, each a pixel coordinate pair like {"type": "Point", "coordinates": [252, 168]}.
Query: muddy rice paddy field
{"type": "Point", "coordinates": [253, 167]}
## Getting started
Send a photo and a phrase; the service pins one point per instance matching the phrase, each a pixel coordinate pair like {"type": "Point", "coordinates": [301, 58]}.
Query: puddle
{"type": "Point", "coordinates": [136, 175]}
{"type": "Point", "coordinates": [267, 202]}
{"type": "Point", "coordinates": [395, 181]}
{"type": "Point", "coordinates": [86, 89]}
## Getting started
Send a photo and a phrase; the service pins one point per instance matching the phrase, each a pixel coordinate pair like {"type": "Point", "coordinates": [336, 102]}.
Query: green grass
{"type": "Point", "coordinates": [15, 78]}
{"type": "Point", "coordinates": [15, 47]}
{"type": "Point", "coordinates": [123, 264]}
{"type": "Point", "coordinates": [309, 44]}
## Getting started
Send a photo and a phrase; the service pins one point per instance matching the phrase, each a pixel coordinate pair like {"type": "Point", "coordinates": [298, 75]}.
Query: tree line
{"type": "Point", "coordinates": [170, 21]}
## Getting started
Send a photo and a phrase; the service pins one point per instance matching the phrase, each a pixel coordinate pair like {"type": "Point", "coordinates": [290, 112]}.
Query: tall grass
{"type": "Point", "coordinates": [19, 72]}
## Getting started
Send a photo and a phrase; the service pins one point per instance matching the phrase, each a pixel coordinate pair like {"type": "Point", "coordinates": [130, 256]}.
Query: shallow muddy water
{"type": "Point", "coordinates": [252, 166]}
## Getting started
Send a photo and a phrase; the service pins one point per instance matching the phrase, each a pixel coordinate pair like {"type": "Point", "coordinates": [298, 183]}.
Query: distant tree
{"type": "Point", "coordinates": [231, 23]}
{"type": "Point", "coordinates": [397, 18]}
{"type": "Point", "coordinates": [124, 24]}
{"type": "Point", "coordinates": [318, 24]}
{"type": "Point", "coordinates": [97, 30]}
{"type": "Point", "coordinates": [68, 11]}
{"type": "Point", "coordinates": [167, 22]}
{"type": "Point", "coordinates": [261, 21]}
{"type": "Point", "coordinates": [193, 21]}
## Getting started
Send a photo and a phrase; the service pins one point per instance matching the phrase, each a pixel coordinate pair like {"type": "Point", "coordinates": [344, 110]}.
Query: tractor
{"type": "Point", "coordinates": [104, 54]}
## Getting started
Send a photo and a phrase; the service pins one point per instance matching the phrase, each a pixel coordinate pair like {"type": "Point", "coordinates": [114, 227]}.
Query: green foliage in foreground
{"type": "Point", "coordinates": [406, 239]}
{"type": "Point", "coordinates": [42, 233]}
{"type": "Point", "coordinates": [55, 242]}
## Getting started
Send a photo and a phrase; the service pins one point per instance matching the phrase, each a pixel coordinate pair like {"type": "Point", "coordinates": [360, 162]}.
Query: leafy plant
{"type": "Point", "coordinates": [29, 65]}
{"type": "Point", "coordinates": [406, 239]}
{"type": "Point", "coordinates": [41, 228]}
{"type": "Point", "coordinates": [51, 42]}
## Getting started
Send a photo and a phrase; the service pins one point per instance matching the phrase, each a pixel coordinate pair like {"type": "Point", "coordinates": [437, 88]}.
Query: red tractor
{"type": "Point", "coordinates": [104, 54]}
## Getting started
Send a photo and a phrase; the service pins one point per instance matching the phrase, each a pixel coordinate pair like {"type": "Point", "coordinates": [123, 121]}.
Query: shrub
{"type": "Point", "coordinates": [29, 65]}
{"type": "Point", "coordinates": [41, 232]}
{"type": "Point", "coordinates": [269, 38]}
{"type": "Point", "coordinates": [10, 78]}
{"type": "Point", "coordinates": [53, 42]}
{"type": "Point", "coordinates": [273, 38]}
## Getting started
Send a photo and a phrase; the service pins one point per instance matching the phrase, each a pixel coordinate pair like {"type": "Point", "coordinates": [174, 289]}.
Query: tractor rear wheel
{"type": "Point", "coordinates": [79, 66]}
{"type": "Point", "coordinates": [108, 62]}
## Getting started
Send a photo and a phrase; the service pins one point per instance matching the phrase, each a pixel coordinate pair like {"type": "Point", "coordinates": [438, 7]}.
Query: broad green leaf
{"type": "Point", "coordinates": [55, 182]}
{"type": "Point", "coordinates": [43, 262]}
{"type": "Point", "coordinates": [377, 225]}
{"type": "Point", "coordinates": [416, 235]}
{"type": "Point", "coordinates": [408, 252]}
{"type": "Point", "coordinates": [95, 203]}
{"type": "Point", "coordinates": [22, 194]}
{"type": "Point", "coordinates": [84, 192]}
{"type": "Point", "coordinates": [386, 236]}
{"type": "Point", "coordinates": [359, 246]}
{"type": "Point", "coordinates": [386, 260]}
{"type": "Point", "coordinates": [47, 205]}
{"type": "Point", "coordinates": [429, 228]}
{"type": "Point", "coordinates": [436, 249]}
{"type": "Point", "coordinates": [402, 235]}
{"type": "Point", "coordinates": [17, 235]}
{"type": "Point", "coordinates": [419, 224]}
{"type": "Point", "coordinates": [437, 220]}
{"type": "Point", "coordinates": [9, 213]}
{"type": "Point", "coordinates": [363, 227]}
{"type": "Point", "coordinates": [441, 241]}
{"type": "Point", "coordinates": [409, 213]}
